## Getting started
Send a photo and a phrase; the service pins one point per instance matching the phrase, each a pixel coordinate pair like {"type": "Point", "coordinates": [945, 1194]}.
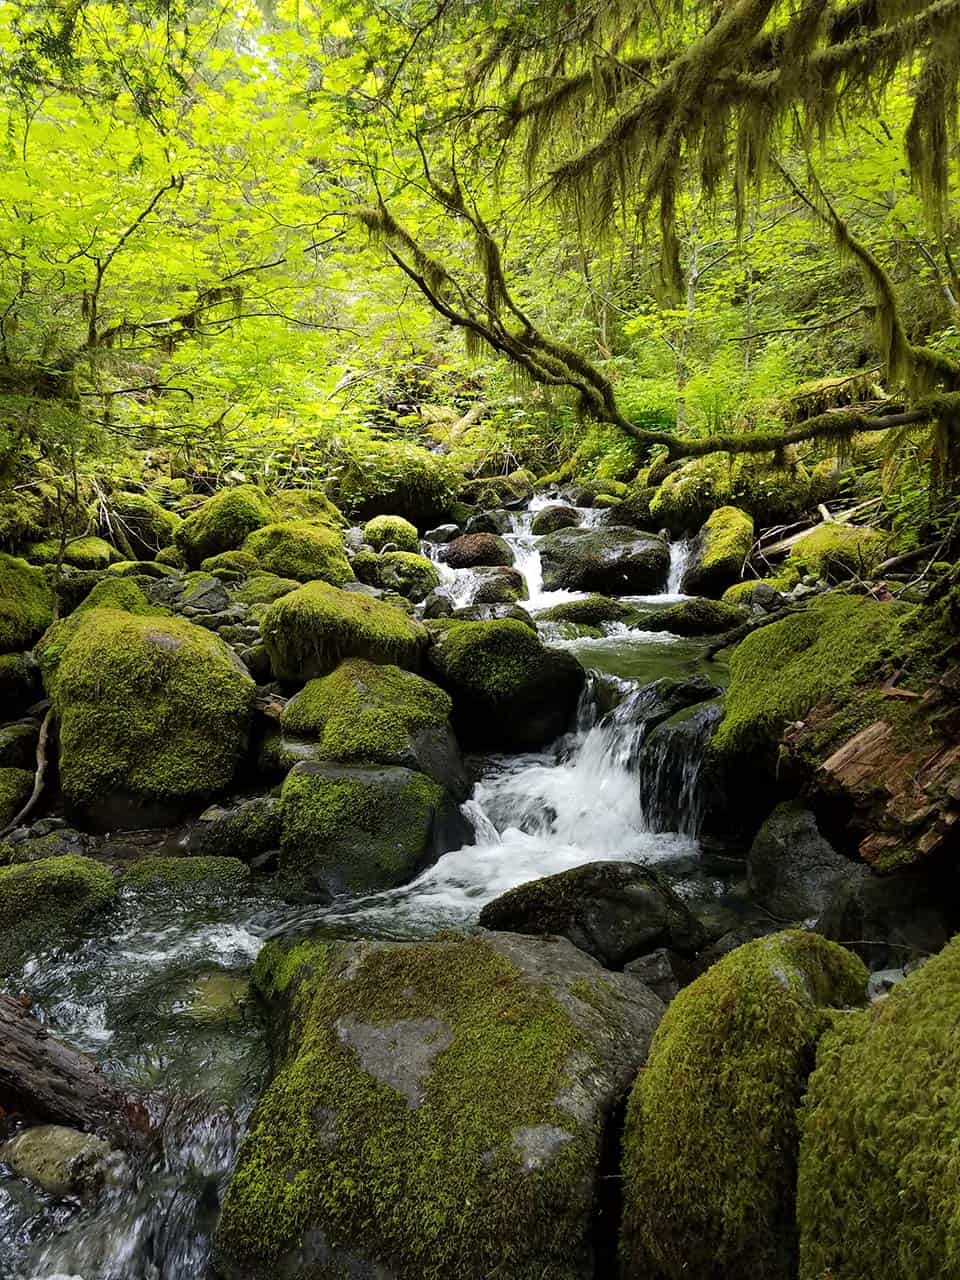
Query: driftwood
{"type": "Point", "coordinates": [49, 1081]}
{"type": "Point", "coordinates": [837, 517]}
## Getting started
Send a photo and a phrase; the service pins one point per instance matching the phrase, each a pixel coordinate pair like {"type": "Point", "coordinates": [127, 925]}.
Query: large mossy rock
{"type": "Point", "coordinates": [510, 692]}
{"type": "Point", "coordinates": [364, 713]}
{"type": "Point", "coordinates": [20, 685]}
{"type": "Point", "coordinates": [153, 714]}
{"type": "Point", "coordinates": [44, 900]}
{"type": "Point", "coordinates": [310, 631]}
{"type": "Point", "coordinates": [144, 524]}
{"type": "Point", "coordinates": [89, 552]}
{"type": "Point", "coordinates": [359, 829]}
{"type": "Point", "coordinates": [391, 533]}
{"type": "Point", "coordinates": [223, 523]}
{"type": "Point", "coordinates": [697, 617]}
{"type": "Point", "coordinates": [719, 553]}
{"type": "Point", "coordinates": [877, 1188]}
{"type": "Point", "coordinates": [710, 1146]}
{"type": "Point", "coordinates": [593, 611]}
{"type": "Point", "coordinates": [437, 1109]}
{"type": "Point", "coordinates": [780, 671]}
{"type": "Point", "coordinates": [837, 552]}
{"type": "Point", "coordinates": [300, 549]}
{"type": "Point", "coordinates": [26, 604]}
{"type": "Point", "coordinates": [771, 495]}
{"type": "Point", "coordinates": [395, 478]}
{"type": "Point", "coordinates": [614, 911]}
{"type": "Point", "coordinates": [550, 519]}
{"type": "Point", "coordinates": [408, 574]}
{"type": "Point", "coordinates": [614, 561]}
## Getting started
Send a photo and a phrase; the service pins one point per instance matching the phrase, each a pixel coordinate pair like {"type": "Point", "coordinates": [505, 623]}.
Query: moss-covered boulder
{"type": "Point", "coordinates": [242, 829]}
{"type": "Point", "coordinates": [409, 575]}
{"type": "Point", "coordinates": [877, 1188]}
{"type": "Point", "coordinates": [711, 1139]}
{"type": "Point", "coordinates": [613, 561]}
{"type": "Point", "coordinates": [223, 523]}
{"type": "Point", "coordinates": [153, 715]}
{"type": "Point", "coordinates": [301, 550]}
{"type": "Point", "coordinates": [20, 685]}
{"type": "Point", "coordinates": [764, 594]}
{"type": "Point", "coordinates": [145, 525]}
{"type": "Point", "coordinates": [18, 745]}
{"type": "Point", "coordinates": [118, 593]}
{"type": "Point", "coordinates": [696, 617]}
{"type": "Point", "coordinates": [474, 549]}
{"type": "Point", "coordinates": [550, 519]}
{"type": "Point", "coordinates": [634, 506]}
{"type": "Point", "coordinates": [40, 902]}
{"type": "Point", "coordinates": [186, 879]}
{"type": "Point", "coordinates": [26, 604]}
{"type": "Point", "coordinates": [391, 533]}
{"type": "Point", "coordinates": [837, 552]}
{"type": "Point", "coordinates": [263, 589]}
{"type": "Point", "coordinates": [363, 713]}
{"type": "Point", "coordinates": [614, 911]}
{"type": "Point", "coordinates": [499, 584]}
{"type": "Point", "coordinates": [780, 671]}
{"type": "Point", "coordinates": [719, 553]}
{"type": "Point", "coordinates": [509, 691]}
{"type": "Point", "coordinates": [772, 495]}
{"type": "Point", "coordinates": [80, 553]}
{"type": "Point", "coordinates": [358, 829]}
{"type": "Point", "coordinates": [308, 632]}
{"type": "Point", "coordinates": [15, 787]}
{"type": "Point", "coordinates": [393, 477]}
{"type": "Point", "coordinates": [307, 504]}
{"type": "Point", "coordinates": [593, 611]}
{"type": "Point", "coordinates": [242, 562]}
{"type": "Point", "coordinates": [438, 1109]}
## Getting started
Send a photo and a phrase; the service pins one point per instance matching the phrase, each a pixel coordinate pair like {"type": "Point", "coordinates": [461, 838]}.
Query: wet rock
{"type": "Point", "coordinates": [458, 1090]}
{"type": "Point", "coordinates": [678, 789]}
{"type": "Point", "coordinates": [499, 585]}
{"type": "Point", "coordinates": [593, 611]}
{"type": "Point", "coordinates": [61, 1161]}
{"type": "Point", "coordinates": [217, 996]}
{"type": "Point", "coordinates": [793, 871]}
{"type": "Point", "coordinates": [719, 552]}
{"type": "Point", "coordinates": [241, 830]}
{"type": "Point", "coordinates": [612, 561]}
{"type": "Point", "coordinates": [442, 533]}
{"type": "Point", "coordinates": [438, 605]}
{"type": "Point", "coordinates": [550, 519]}
{"type": "Point", "coordinates": [498, 521]}
{"type": "Point", "coordinates": [208, 596]}
{"type": "Point", "coordinates": [890, 920]}
{"type": "Point", "coordinates": [45, 840]}
{"type": "Point", "coordinates": [662, 971]}
{"type": "Point", "coordinates": [20, 685]}
{"type": "Point", "coordinates": [473, 549]}
{"type": "Point", "coordinates": [697, 617]}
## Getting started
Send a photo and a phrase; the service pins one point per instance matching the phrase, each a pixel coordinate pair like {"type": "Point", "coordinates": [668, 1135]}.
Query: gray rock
{"type": "Point", "coordinates": [438, 605]}
{"type": "Point", "coordinates": [792, 871]}
{"type": "Point", "coordinates": [244, 830]}
{"type": "Point", "coordinates": [887, 920]}
{"type": "Point", "coordinates": [62, 1161]}
{"type": "Point", "coordinates": [497, 521]}
{"type": "Point", "coordinates": [612, 561]}
{"type": "Point", "coordinates": [662, 971]}
{"type": "Point", "coordinates": [442, 533]}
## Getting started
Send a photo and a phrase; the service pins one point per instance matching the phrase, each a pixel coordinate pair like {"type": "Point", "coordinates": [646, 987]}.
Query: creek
{"type": "Point", "coordinates": [156, 993]}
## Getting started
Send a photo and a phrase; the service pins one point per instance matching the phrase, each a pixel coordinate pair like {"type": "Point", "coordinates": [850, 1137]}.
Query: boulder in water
{"type": "Point", "coordinates": [359, 829]}
{"type": "Point", "coordinates": [39, 901]}
{"type": "Point", "coordinates": [442, 533]}
{"type": "Point", "coordinates": [697, 617]}
{"type": "Point", "coordinates": [593, 611]}
{"type": "Point", "coordinates": [711, 1138]}
{"type": "Point", "coordinates": [793, 872]}
{"type": "Point", "coordinates": [719, 552]}
{"type": "Point", "coordinates": [243, 829]}
{"type": "Point", "coordinates": [497, 521]}
{"type": "Point", "coordinates": [474, 549]}
{"type": "Point", "coordinates": [612, 561]}
{"type": "Point", "coordinates": [614, 911]}
{"type": "Point", "coordinates": [510, 692]}
{"type": "Point", "coordinates": [550, 519]}
{"type": "Point", "coordinates": [499, 584]}
{"type": "Point", "coordinates": [438, 1107]}
{"type": "Point", "coordinates": [61, 1161]}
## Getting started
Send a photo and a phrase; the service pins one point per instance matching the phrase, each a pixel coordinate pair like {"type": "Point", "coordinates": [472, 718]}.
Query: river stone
{"type": "Point", "coordinates": [612, 561]}
{"type": "Point", "coordinates": [61, 1161]}
{"type": "Point", "coordinates": [474, 550]}
{"type": "Point", "coordinates": [244, 829]}
{"type": "Point", "coordinates": [497, 521]}
{"type": "Point", "coordinates": [614, 911]}
{"type": "Point", "coordinates": [442, 533]}
{"type": "Point", "coordinates": [454, 1096]}
{"type": "Point", "coordinates": [793, 872]}
{"type": "Point", "coordinates": [499, 584]}
{"type": "Point", "coordinates": [550, 519]}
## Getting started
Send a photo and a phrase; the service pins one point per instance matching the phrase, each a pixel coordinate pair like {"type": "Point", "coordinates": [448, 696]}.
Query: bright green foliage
{"type": "Point", "coordinates": [80, 553]}
{"type": "Point", "coordinates": [711, 1138]}
{"type": "Point", "coordinates": [223, 523]}
{"type": "Point", "coordinates": [592, 611]}
{"type": "Point", "coordinates": [307, 504]}
{"type": "Point", "coordinates": [15, 788]}
{"type": "Point", "coordinates": [401, 1183]}
{"type": "Point", "coordinates": [877, 1193]}
{"type": "Point", "coordinates": [309, 631]}
{"type": "Point", "coordinates": [26, 604]}
{"type": "Point", "coordinates": [151, 708]}
{"type": "Point", "coordinates": [410, 575]}
{"type": "Point", "coordinates": [393, 532]}
{"type": "Point", "coordinates": [242, 561]}
{"type": "Point", "coordinates": [40, 901]}
{"type": "Point", "coordinates": [836, 551]}
{"type": "Point", "coordinates": [780, 671]}
{"type": "Point", "coordinates": [358, 830]}
{"type": "Point", "coordinates": [365, 712]}
{"type": "Point", "coordinates": [301, 550]}
{"type": "Point", "coordinates": [186, 877]}
{"type": "Point", "coordinates": [144, 524]}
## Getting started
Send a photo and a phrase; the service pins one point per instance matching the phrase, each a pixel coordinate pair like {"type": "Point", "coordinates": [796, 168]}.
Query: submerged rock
{"type": "Point", "coordinates": [61, 1161]}
{"type": "Point", "coordinates": [438, 1108]}
{"type": "Point", "coordinates": [614, 911]}
{"type": "Point", "coordinates": [611, 561]}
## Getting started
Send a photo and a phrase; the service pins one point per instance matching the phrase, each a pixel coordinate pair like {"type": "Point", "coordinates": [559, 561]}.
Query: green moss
{"type": "Point", "coordinates": [311, 630]}
{"type": "Point", "coordinates": [742, 593]}
{"type": "Point", "coordinates": [772, 495]}
{"type": "Point", "coordinates": [727, 537]}
{"type": "Point", "coordinates": [696, 617]}
{"type": "Point", "coordinates": [26, 604]}
{"type": "Point", "coordinates": [307, 504]}
{"type": "Point", "coordinates": [264, 588]}
{"type": "Point", "coordinates": [301, 550]}
{"type": "Point", "coordinates": [15, 788]}
{"type": "Point", "coordinates": [391, 532]}
{"type": "Point", "coordinates": [393, 477]}
{"type": "Point", "coordinates": [80, 553]}
{"type": "Point", "coordinates": [22, 517]}
{"type": "Point", "coordinates": [39, 901]}
{"type": "Point", "coordinates": [364, 712]}
{"type": "Point", "coordinates": [141, 569]}
{"type": "Point", "coordinates": [118, 593]}
{"type": "Point", "coordinates": [780, 671]}
{"type": "Point", "coordinates": [493, 658]}
{"type": "Point", "coordinates": [411, 576]}
{"type": "Point", "coordinates": [399, 1183]}
{"type": "Point", "coordinates": [243, 830]}
{"type": "Point", "coordinates": [144, 524]}
{"type": "Point", "coordinates": [150, 707]}
{"type": "Point", "coordinates": [223, 523]}
{"type": "Point", "coordinates": [19, 682]}
{"type": "Point", "coordinates": [244, 561]}
{"type": "Point", "coordinates": [877, 1189]}
{"type": "Point", "coordinates": [172, 557]}
{"type": "Point", "coordinates": [18, 745]}
{"type": "Point", "coordinates": [356, 830]}
{"type": "Point", "coordinates": [836, 551]}
{"type": "Point", "coordinates": [687, 496]}
{"type": "Point", "coordinates": [592, 611]}
{"type": "Point", "coordinates": [711, 1136]}
{"type": "Point", "coordinates": [218, 877]}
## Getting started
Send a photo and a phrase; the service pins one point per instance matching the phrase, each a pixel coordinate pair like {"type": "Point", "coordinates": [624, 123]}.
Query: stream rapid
{"type": "Point", "coordinates": [156, 994]}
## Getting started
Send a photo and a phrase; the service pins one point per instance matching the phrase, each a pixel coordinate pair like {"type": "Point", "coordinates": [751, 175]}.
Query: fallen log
{"type": "Point", "coordinates": [48, 1081]}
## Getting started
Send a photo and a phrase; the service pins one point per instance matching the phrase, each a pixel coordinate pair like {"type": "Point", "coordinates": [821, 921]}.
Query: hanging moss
{"type": "Point", "coordinates": [42, 901]}
{"type": "Point", "coordinates": [711, 1137]}
{"type": "Point", "coordinates": [391, 532]}
{"type": "Point", "coordinates": [311, 630]}
{"type": "Point", "coordinates": [877, 1192]}
{"type": "Point", "coordinates": [223, 522]}
{"type": "Point", "coordinates": [26, 604]}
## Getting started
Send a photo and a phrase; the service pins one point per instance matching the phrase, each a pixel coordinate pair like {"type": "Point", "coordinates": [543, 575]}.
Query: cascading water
{"type": "Point", "coordinates": [680, 552]}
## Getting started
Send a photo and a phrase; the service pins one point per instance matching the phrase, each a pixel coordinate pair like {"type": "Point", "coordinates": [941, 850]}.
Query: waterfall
{"type": "Point", "coordinates": [680, 552]}
{"type": "Point", "coordinates": [671, 768]}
